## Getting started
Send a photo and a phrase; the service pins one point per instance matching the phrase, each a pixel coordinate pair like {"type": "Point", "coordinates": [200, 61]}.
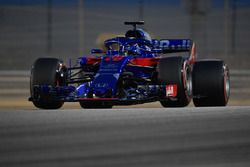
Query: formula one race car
{"type": "Point", "coordinates": [133, 69]}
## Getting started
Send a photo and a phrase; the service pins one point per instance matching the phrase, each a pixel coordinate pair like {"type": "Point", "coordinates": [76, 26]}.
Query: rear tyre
{"type": "Point", "coordinates": [175, 70]}
{"type": "Point", "coordinates": [211, 85]}
{"type": "Point", "coordinates": [46, 71]}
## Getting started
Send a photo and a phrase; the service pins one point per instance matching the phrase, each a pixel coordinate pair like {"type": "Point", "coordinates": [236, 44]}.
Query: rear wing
{"type": "Point", "coordinates": [172, 45]}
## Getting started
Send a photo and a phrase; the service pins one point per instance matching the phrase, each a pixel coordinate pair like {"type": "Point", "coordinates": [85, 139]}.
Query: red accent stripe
{"type": "Point", "coordinates": [93, 60]}
{"type": "Point", "coordinates": [114, 58]}
{"type": "Point", "coordinates": [98, 99]}
{"type": "Point", "coordinates": [193, 54]}
{"type": "Point", "coordinates": [144, 61]}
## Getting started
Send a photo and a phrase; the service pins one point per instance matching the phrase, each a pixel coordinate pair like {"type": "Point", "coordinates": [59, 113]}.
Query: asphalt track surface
{"type": "Point", "coordinates": [126, 137]}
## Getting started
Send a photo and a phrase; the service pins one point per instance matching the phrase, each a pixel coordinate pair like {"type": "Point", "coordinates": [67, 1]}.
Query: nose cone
{"type": "Point", "coordinates": [104, 85]}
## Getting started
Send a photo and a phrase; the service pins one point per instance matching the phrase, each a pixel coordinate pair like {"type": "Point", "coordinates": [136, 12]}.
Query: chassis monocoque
{"type": "Point", "coordinates": [133, 69]}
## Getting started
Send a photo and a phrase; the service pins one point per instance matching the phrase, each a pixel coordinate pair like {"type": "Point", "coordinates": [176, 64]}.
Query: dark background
{"type": "Point", "coordinates": [68, 29]}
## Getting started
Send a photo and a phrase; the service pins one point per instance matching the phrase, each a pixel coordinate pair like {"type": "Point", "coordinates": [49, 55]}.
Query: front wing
{"type": "Point", "coordinates": [69, 94]}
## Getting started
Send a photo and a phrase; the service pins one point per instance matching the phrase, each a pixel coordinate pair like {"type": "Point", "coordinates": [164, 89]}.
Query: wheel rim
{"type": "Point", "coordinates": [189, 83]}
{"type": "Point", "coordinates": [187, 80]}
{"type": "Point", "coordinates": [226, 83]}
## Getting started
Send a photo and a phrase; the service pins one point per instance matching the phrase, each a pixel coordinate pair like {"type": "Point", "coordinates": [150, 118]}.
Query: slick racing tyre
{"type": "Point", "coordinates": [211, 85]}
{"type": "Point", "coordinates": [46, 71]}
{"type": "Point", "coordinates": [175, 71]}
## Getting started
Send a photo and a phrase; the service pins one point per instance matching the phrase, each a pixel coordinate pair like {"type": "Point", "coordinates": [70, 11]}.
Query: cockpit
{"type": "Point", "coordinates": [128, 46]}
{"type": "Point", "coordinates": [136, 42]}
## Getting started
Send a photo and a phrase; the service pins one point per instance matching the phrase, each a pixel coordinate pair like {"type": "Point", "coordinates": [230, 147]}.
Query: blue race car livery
{"type": "Point", "coordinates": [133, 69]}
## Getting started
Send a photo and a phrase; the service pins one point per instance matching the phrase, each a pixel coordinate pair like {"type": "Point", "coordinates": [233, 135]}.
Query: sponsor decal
{"type": "Point", "coordinates": [171, 90]}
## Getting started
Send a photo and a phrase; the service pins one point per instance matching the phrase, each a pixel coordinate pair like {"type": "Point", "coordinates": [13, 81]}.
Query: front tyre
{"type": "Point", "coordinates": [211, 84]}
{"type": "Point", "coordinates": [176, 71]}
{"type": "Point", "coordinates": [47, 71]}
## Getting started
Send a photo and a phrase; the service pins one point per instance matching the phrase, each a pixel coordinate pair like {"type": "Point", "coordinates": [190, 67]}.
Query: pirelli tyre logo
{"type": "Point", "coordinates": [171, 90]}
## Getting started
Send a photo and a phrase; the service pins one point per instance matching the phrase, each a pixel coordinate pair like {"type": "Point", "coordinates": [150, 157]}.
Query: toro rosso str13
{"type": "Point", "coordinates": [133, 69]}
